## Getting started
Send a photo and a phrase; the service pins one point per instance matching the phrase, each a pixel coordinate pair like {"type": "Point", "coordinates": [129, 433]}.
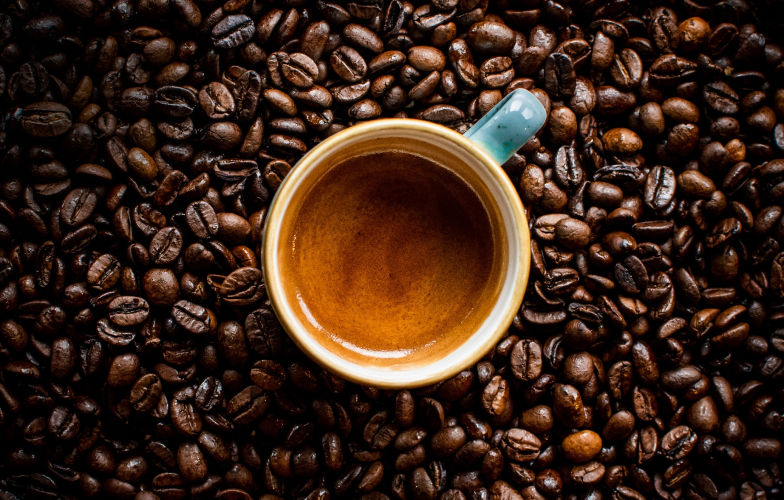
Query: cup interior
{"type": "Point", "coordinates": [494, 308]}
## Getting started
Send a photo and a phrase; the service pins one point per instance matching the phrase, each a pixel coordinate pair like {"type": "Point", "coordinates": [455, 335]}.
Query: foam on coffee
{"type": "Point", "coordinates": [392, 259]}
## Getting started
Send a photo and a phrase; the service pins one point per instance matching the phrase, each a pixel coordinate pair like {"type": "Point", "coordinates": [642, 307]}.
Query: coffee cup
{"type": "Point", "coordinates": [397, 251]}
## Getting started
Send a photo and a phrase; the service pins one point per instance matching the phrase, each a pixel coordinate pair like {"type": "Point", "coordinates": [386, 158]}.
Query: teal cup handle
{"type": "Point", "coordinates": [506, 127]}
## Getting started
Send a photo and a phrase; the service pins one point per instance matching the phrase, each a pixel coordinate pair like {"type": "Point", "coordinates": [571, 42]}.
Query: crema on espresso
{"type": "Point", "coordinates": [391, 257]}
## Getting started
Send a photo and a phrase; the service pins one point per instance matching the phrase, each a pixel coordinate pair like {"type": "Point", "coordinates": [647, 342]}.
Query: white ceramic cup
{"type": "Point", "coordinates": [476, 158]}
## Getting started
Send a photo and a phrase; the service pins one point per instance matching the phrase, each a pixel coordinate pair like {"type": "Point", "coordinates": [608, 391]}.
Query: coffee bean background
{"type": "Point", "coordinates": [141, 142]}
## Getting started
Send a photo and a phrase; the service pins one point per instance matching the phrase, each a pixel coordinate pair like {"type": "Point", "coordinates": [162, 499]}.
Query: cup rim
{"type": "Point", "coordinates": [408, 377]}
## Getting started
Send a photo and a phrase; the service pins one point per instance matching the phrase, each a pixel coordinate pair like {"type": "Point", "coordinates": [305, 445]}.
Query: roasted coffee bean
{"type": "Point", "coordinates": [365, 109]}
{"type": "Point", "coordinates": [123, 370]}
{"type": "Point", "coordinates": [202, 219]}
{"type": "Point", "coordinates": [45, 119]}
{"type": "Point", "coordinates": [141, 164]}
{"type": "Point", "coordinates": [490, 37]}
{"type": "Point", "coordinates": [627, 69]}
{"type": "Point", "coordinates": [721, 98]}
{"type": "Point", "coordinates": [496, 72]}
{"type": "Point", "coordinates": [660, 186]}
{"type": "Point", "coordinates": [242, 287]}
{"type": "Point", "coordinates": [267, 374]}
{"type": "Point", "coordinates": [496, 399]}
{"type": "Point", "coordinates": [526, 360]}
{"type": "Point", "coordinates": [669, 70]}
{"type": "Point", "coordinates": [559, 75]}
{"type": "Point", "coordinates": [216, 101]}
{"type": "Point", "coordinates": [248, 405]}
{"type": "Point", "coordinates": [184, 416]}
{"type": "Point", "coordinates": [246, 90]}
{"type": "Point", "coordinates": [265, 335]}
{"type": "Point", "coordinates": [572, 233]}
{"type": "Point", "coordinates": [113, 335]}
{"type": "Point", "coordinates": [678, 442]}
{"type": "Point", "coordinates": [208, 394]}
{"type": "Point", "coordinates": [63, 359]}
{"type": "Point", "coordinates": [568, 405]}
{"type": "Point", "coordinates": [165, 246]}
{"type": "Point", "coordinates": [63, 424]}
{"type": "Point", "coordinates": [161, 286]}
{"type": "Point", "coordinates": [348, 64]}
{"type": "Point", "coordinates": [104, 272]}
{"type": "Point", "coordinates": [299, 70]}
{"type": "Point", "coordinates": [146, 393]}
{"type": "Point", "coordinates": [562, 124]}
{"type": "Point", "coordinates": [581, 446]}
{"type": "Point", "coordinates": [568, 168]}
{"type": "Point", "coordinates": [175, 102]}
{"type": "Point", "coordinates": [520, 445]}
{"type": "Point", "coordinates": [233, 31]}
{"type": "Point", "coordinates": [194, 318]}
{"type": "Point", "coordinates": [78, 206]}
{"type": "Point", "coordinates": [128, 310]}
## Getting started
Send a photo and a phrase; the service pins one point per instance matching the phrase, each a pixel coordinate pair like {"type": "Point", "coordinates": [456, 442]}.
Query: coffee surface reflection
{"type": "Point", "coordinates": [393, 258]}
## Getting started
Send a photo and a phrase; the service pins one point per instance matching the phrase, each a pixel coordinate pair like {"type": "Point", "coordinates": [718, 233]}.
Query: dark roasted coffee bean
{"type": "Point", "coordinates": [612, 101]}
{"type": "Point", "coordinates": [175, 102]}
{"type": "Point", "coordinates": [520, 445]}
{"type": "Point", "coordinates": [46, 119]}
{"type": "Point", "coordinates": [496, 72]}
{"type": "Point", "coordinates": [678, 442]}
{"type": "Point", "coordinates": [526, 360]}
{"type": "Point", "coordinates": [128, 310]}
{"type": "Point", "coordinates": [265, 335]}
{"type": "Point", "coordinates": [627, 69]}
{"type": "Point", "coordinates": [194, 318]}
{"type": "Point", "coordinates": [123, 370]}
{"type": "Point", "coordinates": [242, 287]}
{"type": "Point", "coordinates": [721, 98]}
{"type": "Point", "coordinates": [216, 101]}
{"type": "Point", "coordinates": [664, 32]}
{"type": "Point", "coordinates": [572, 233]}
{"type": "Point", "coordinates": [246, 91]}
{"type": "Point", "coordinates": [184, 416]}
{"type": "Point", "coordinates": [78, 206]}
{"type": "Point", "coordinates": [363, 37]}
{"type": "Point", "coordinates": [568, 405]}
{"type": "Point", "coordinates": [113, 335]}
{"type": "Point", "coordinates": [660, 185]}
{"type": "Point", "coordinates": [248, 405]}
{"type": "Point", "coordinates": [104, 272]}
{"type": "Point", "coordinates": [267, 374]}
{"type": "Point", "coordinates": [559, 75]}
{"type": "Point", "coordinates": [490, 37]}
{"type": "Point", "coordinates": [165, 246]}
{"type": "Point", "coordinates": [299, 70]}
{"type": "Point", "coordinates": [314, 39]}
{"type": "Point", "coordinates": [671, 70]}
{"type": "Point", "coordinates": [63, 423]}
{"type": "Point", "coordinates": [141, 164]}
{"type": "Point", "coordinates": [161, 286]}
{"type": "Point", "coordinates": [233, 31]}
{"type": "Point", "coordinates": [146, 393]}
{"type": "Point", "coordinates": [202, 220]}
{"type": "Point", "coordinates": [348, 64]}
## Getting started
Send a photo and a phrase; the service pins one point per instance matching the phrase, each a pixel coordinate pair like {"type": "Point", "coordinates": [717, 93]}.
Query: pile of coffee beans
{"type": "Point", "coordinates": [141, 142]}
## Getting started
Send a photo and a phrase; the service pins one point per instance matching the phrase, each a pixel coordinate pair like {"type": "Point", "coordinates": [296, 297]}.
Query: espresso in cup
{"type": "Point", "coordinates": [396, 252]}
{"type": "Point", "coordinates": [393, 258]}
